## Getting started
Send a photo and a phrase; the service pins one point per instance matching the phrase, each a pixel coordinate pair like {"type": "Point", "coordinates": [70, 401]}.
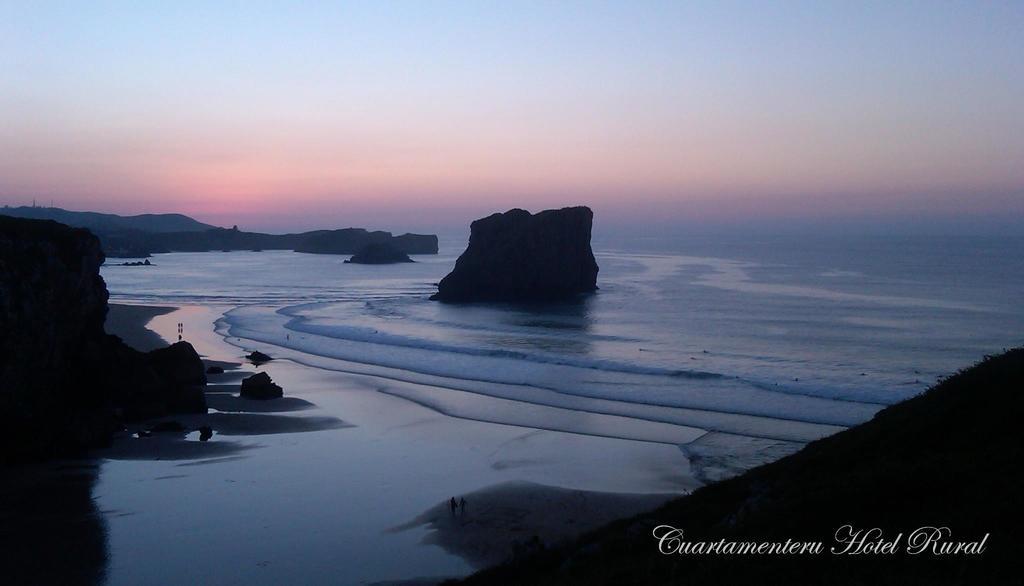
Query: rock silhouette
{"type": "Point", "coordinates": [179, 363]}
{"type": "Point", "coordinates": [522, 257]}
{"type": "Point", "coordinates": [379, 254]}
{"type": "Point", "coordinates": [257, 357]}
{"type": "Point", "coordinates": [259, 386]}
{"type": "Point", "coordinates": [71, 385]}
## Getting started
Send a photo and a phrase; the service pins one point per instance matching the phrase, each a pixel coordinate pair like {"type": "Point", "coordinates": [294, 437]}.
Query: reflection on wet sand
{"type": "Point", "coordinates": [227, 402]}
{"type": "Point", "coordinates": [50, 529]}
{"type": "Point", "coordinates": [169, 447]}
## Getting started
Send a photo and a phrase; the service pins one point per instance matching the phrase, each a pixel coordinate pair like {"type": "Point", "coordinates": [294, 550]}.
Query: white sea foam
{"type": "Point", "coordinates": [508, 376]}
{"type": "Point", "coordinates": [679, 343]}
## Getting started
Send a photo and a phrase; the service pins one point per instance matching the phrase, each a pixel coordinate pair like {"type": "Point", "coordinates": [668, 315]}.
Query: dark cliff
{"type": "Point", "coordinates": [64, 383]}
{"type": "Point", "coordinates": [518, 256]}
{"type": "Point", "coordinates": [52, 307]}
{"type": "Point", "coordinates": [950, 457]}
{"type": "Point", "coordinates": [415, 243]}
{"type": "Point", "coordinates": [352, 240]}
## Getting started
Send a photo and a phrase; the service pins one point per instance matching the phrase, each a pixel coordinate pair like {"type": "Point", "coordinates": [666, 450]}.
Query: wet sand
{"type": "Point", "coordinates": [358, 479]}
{"type": "Point", "coordinates": [514, 518]}
{"type": "Point", "coordinates": [128, 322]}
{"type": "Point", "coordinates": [51, 531]}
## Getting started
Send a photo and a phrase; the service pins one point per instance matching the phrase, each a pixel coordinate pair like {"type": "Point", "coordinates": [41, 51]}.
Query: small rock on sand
{"type": "Point", "coordinates": [259, 386]}
{"type": "Point", "coordinates": [257, 357]}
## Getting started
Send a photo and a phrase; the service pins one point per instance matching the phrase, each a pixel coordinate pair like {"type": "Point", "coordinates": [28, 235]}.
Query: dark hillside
{"type": "Point", "coordinates": [952, 457]}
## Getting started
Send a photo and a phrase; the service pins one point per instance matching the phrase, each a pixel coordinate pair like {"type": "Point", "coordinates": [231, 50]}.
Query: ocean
{"type": "Point", "coordinates": [738, 350]}
{"type": "Point", "coordinates": [698, 358]}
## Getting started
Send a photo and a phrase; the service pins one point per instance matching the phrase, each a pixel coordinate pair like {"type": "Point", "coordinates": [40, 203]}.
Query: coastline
{"type": "Point", "coordinates": [346, 478]}
{"type": "Point", "coordinates": [512, 519]}
{"type": "Point", "coordinates": [950, 454]}
{"type": "Point", "coordinates": [367, 444]}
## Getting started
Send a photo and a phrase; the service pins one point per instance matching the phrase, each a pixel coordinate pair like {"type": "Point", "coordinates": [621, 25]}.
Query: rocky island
{"type": "Point", "coordinates": [379, 254]}
{"type": "Point", "coordinates": [522, 257]}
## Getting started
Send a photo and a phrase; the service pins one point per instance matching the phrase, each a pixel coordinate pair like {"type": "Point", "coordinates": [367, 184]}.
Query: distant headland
{"type": "Point", "coordinates": [147, 234]}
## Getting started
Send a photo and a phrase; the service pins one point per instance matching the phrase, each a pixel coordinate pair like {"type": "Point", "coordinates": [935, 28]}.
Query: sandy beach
{"type": "Point", "coordinates": [128, 322]}
{"type": "Point", "coordinates": [371, 468]}
{"type": "Point", "coordinates": [516, 517]}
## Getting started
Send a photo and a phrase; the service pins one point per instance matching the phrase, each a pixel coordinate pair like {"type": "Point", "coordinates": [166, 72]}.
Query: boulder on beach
{"type": "Point", "coordinates": [379, 253]}
{"type": "Point", "coordinates": [257, 357]}
{"type": "Point", "coordinates": [522, 257]}
{"type": "Point", "coordinates": [259, 386]}
{"type": "Point", "coordinates": [179, 363]}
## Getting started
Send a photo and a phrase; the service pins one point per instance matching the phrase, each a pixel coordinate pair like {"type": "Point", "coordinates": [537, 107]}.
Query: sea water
{"type": "Point", "coordinates": [778, 338]}
{"type": "Point", "coordinates": [696, 359]}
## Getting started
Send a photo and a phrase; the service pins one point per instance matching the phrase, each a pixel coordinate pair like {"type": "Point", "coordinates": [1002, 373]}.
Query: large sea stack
{"type": "Point", "coordinates": [522, 257]}
{"type": "Point", "coordinates": [65, 384]}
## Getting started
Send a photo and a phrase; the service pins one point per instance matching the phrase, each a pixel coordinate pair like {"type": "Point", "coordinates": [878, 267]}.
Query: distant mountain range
{"type": "Point", "coordinates": [143, 235]}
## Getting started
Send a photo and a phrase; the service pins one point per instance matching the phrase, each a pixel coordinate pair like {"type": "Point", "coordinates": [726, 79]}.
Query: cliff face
{"type": "Point", "coordinates": [352, 240]}
{"type": "Point", "coordinates": [415, 243]}
{"type": "Point", "coordinates": [53, 303]}
{"type": "Point", "coordinates": [518, 256]}
{"type": "Point", "coordinates": [65, 383]}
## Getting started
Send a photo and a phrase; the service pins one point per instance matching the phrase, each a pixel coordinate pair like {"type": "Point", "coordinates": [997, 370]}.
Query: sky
{"type": "Point", "coordinates": [285, 116]}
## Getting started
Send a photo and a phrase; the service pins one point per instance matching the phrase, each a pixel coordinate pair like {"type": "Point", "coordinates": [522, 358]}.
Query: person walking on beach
{"type": "Point", "coordinates": [462, 505]}
{"type": "Point", "coordinates": [453, 505]}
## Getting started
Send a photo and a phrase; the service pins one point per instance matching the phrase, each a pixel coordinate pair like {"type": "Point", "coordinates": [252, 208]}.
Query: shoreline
{"type": "Point", "coordinates": [530, 488]}
{"type": "Point", "coordinates": [511, 519]}
{"type": "Point", "coordinates": [128, 322]}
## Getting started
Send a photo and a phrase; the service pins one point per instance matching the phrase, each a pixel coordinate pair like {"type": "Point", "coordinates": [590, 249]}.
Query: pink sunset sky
{"type": "Point", "coordinates": [418, 114]}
